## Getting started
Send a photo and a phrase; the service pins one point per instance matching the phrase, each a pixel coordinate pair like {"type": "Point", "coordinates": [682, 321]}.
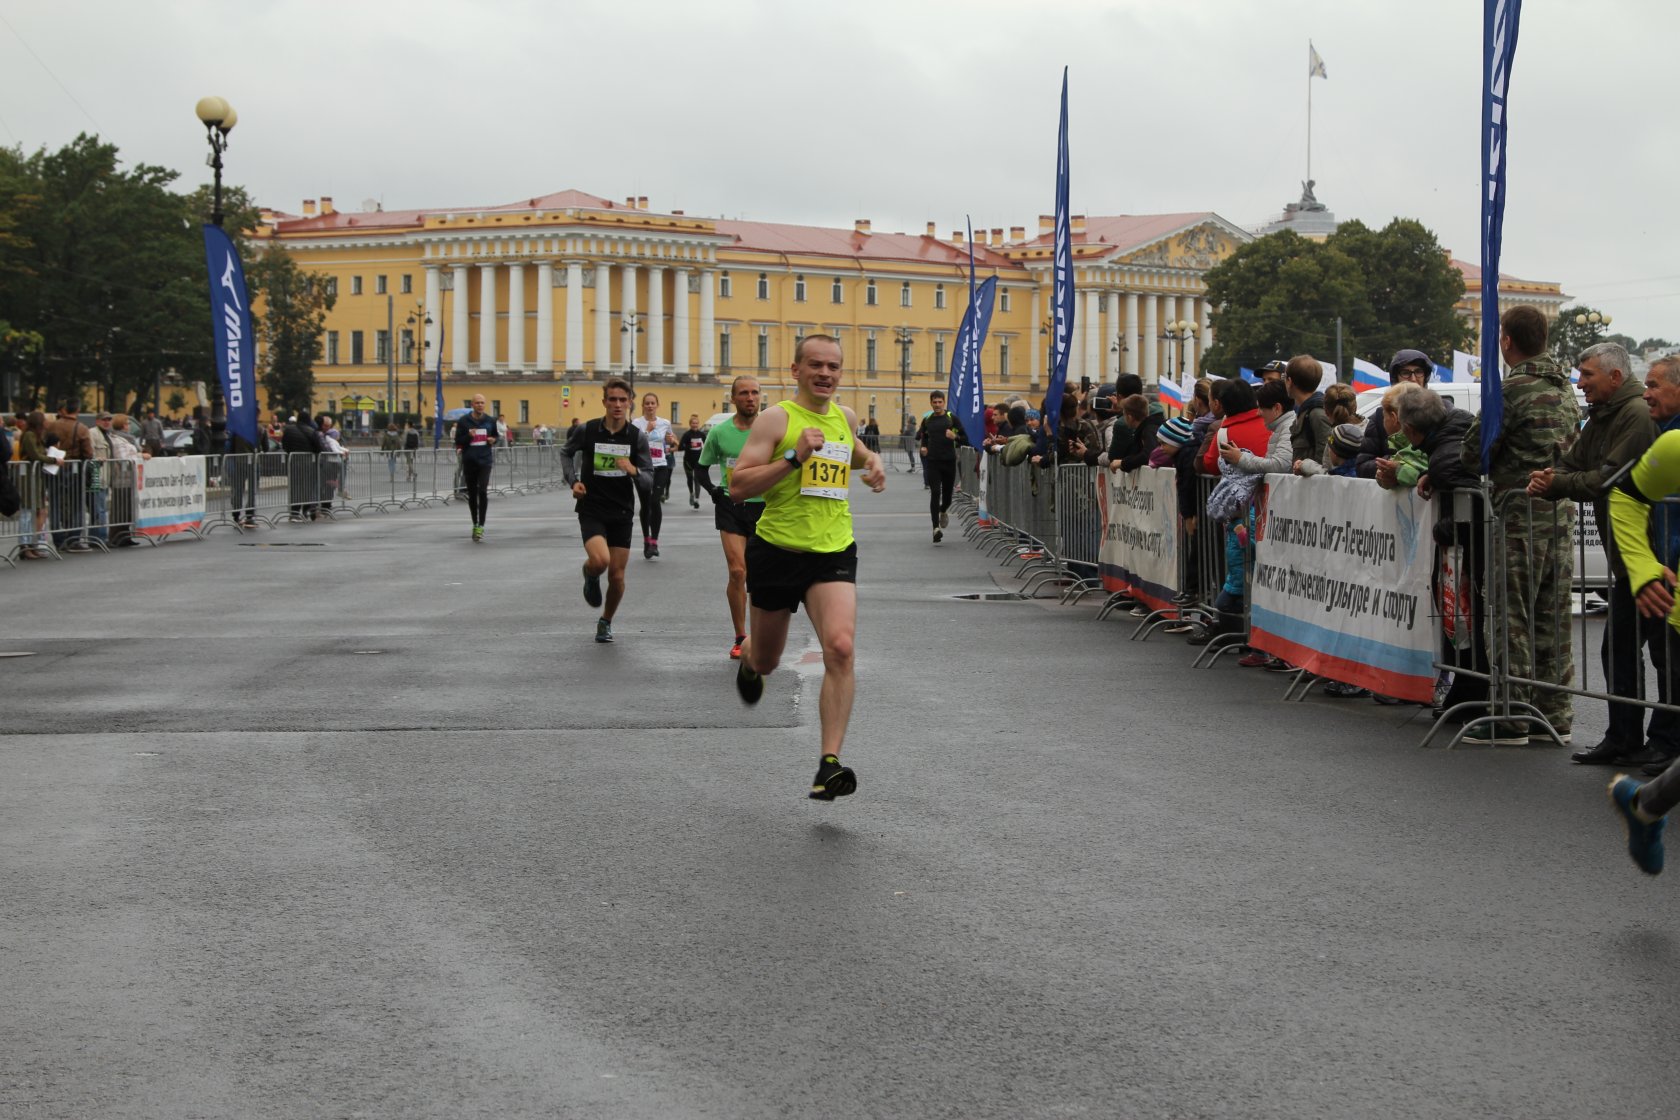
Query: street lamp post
{"type": "Point", "coordinates": [419, 323]}
{"type": "Point", "coordinates": [631, 327]}
{"type": "Point", "coordinates": [219, 118]}
{"type": "Point", "coordinates": [1178, 331]}
{"type": "Point", "coordinates": [905, 338]}
{"type": "Point", "coordinates": [1118, 349]}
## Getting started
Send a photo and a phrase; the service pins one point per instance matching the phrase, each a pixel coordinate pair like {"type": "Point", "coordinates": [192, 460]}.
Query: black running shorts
{"type": "Point", "coordinates": [777, 579]}
{"type": "Point", "coordinates": [616, 532]}
{"type": "Point", "coordinates": [737, 517]}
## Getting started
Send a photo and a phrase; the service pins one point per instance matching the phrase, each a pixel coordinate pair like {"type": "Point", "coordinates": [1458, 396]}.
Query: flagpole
{"type": "Point", "coordinates": [1309, 109]}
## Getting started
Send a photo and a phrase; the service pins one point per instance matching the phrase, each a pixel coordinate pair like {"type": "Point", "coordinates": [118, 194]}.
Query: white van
{"type": "Point", "coordinates": [1466, 396]}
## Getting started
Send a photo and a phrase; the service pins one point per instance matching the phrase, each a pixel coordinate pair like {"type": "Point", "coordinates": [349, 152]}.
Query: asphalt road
{"type": "Point", "coordinates": [356, 820]}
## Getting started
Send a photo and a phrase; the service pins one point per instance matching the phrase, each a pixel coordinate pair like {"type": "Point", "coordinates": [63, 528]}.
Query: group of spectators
{"type": "Point", "coordinates": [74, 493]}
{"type": "Point", "coordinates": [1231, 434]}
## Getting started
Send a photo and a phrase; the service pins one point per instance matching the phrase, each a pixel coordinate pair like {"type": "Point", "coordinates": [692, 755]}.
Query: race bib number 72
{"type": "Point", "coordinates": [607, 456]}
{"type": "Point", "coordinates": [826, 473]}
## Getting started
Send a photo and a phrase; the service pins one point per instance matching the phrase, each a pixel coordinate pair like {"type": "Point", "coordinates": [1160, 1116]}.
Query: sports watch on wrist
{"type": "Point", "coordinates": [791, 455]}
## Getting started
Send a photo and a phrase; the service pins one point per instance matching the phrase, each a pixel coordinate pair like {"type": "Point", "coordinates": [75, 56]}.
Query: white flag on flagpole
{"type": "Point", "coordinates": [1466, 367]}
{"type": "Point", "coordinates": [1315, 64]}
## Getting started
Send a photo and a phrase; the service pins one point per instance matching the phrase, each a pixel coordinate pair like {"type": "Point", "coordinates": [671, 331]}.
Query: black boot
{"type": "Point", "coordinates": [1224, 623]}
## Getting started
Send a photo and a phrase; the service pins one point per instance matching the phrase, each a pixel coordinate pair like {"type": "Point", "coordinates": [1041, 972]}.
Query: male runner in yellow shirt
{"type": "Point", "coordinates": [799, 456]}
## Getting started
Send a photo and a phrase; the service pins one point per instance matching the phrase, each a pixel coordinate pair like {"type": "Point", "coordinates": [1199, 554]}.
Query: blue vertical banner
{"type": "Point", "coordinates": [236, 346]}
{"type": "Point", "coordinates": [1499, 47]}
{"type": "Point", "coordinates": [967, 389]}
{"type": "Point", "coordinates": [437, 420]}
{"type": "Point", "coordinates": [1061, 298]}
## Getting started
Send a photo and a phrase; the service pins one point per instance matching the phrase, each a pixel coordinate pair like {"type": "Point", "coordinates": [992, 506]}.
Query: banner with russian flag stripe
{"type": "Point", "coordinates": [1368, 375]}
{"type": "Point", "coordinates": [1341, 583]}
{"type": "Point", "coordinates": [1139, 549]}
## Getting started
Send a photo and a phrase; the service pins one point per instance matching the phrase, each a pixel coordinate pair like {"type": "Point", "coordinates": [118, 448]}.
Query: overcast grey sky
{"type": "Point", "coordinates": [901, 112]}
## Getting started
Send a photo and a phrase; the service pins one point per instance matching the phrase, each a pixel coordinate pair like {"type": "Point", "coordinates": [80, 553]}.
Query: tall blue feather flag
{"type": "Point", "coordinates": [967, 389]}
{"type": "Point", "coordinates": [1499, 47]}
{"type": "Point", "coordinates": [437, 423]}
{"type": "Point", "coordinates": [236, 347]}
{"type": "Point", "coordinates": [1061, 299]}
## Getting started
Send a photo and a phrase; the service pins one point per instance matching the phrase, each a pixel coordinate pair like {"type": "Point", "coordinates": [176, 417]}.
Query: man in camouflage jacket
{"type": "Point", "coordinates": [1541, 421]}
{"type": "Point", "coordinates": [1619, 430]}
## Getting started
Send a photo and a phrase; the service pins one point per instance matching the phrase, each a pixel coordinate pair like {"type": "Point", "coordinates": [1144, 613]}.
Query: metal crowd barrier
{"type": "Point", "coordinates": [93, 506]}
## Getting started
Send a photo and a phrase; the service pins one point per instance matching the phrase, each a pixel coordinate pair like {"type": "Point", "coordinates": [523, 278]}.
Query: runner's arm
{"type": "Point", "coordinates": [756, 469]}
{"type": "Point", "coordinates": [571, 468]}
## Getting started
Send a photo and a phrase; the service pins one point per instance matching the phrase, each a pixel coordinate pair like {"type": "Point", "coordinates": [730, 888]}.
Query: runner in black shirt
{"type": "Point", "coordinates": [940, 435]}
{"type": "Point", "coordinates": [607, 461]}
{"type": "Point", "coordinates": [690, 443]}
{"type": "Point", "coordinates": [475, 446]}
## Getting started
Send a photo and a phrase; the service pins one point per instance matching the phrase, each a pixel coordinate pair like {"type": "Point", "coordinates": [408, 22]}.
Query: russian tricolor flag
{"type": "Point", "coordinates": [1367, 375]}
{"type": "Point", "coordinates": [1173, 393]}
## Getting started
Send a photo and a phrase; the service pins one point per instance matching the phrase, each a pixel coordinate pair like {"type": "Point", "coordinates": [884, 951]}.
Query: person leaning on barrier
{"type": "Point", "coordinates": [1540, 422]}
{"type": "Point", "coordinates": [1271, 399]}
{"type": "Point", "coordinates": [1145, 425]}
{"type": "Point", "coordinates": [1407, 367]}
{"type": "Point", "coordinates": [1122, 439]}
{"type": "Point", "coordinates": [1303, 376]}
{"type": "Point", "coordinates": [1400, 467]}
{"type": "Point", "coordinates": [1644, 806]}
{"type": "Point", "coordinates": [301, 441]}
{"type": "Point", "coordinates": [1618, 430]}
{"type": "Point", "coordinates": [122, 485]}
{"type": "Point", "coordinates": [1231, 500]}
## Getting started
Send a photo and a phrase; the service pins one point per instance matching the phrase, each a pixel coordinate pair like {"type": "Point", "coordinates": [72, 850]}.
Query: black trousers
{"type": "Point", "coordinates": [1626, 635]}
{"type": "Point", "coordinates": [653, 513]}
{"type": "Point", "coordinates": [942, 480]}
{"type": "Point", "coordinates": [475, 480]}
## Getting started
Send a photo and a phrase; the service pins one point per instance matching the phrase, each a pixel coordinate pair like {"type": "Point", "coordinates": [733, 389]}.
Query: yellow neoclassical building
{"type": "Point", "coordinates": [534, 302]}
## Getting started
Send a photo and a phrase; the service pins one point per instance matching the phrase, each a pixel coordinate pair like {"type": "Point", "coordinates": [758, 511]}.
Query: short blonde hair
{"type": "Point", "coordinates": [1391, 398]}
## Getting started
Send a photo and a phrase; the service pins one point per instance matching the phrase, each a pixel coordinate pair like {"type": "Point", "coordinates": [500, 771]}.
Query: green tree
{"type": "Point", "coordinates": [1655, 344]}
{"type": "Point", "coordinates": [294, 306]}
{"type": "Point", "coordinates": [106, 265]}
{"type": "Point", "coordinates": [1281, 295]}
{"type": "Point", "coordinates": [1576, 328]}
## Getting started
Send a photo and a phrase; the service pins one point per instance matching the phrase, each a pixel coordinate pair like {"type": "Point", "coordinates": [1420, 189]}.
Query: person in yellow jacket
{"type": "Point", "coordinates": [800, 456]}
{"type": "Point", "coordinates": [1644, 806]}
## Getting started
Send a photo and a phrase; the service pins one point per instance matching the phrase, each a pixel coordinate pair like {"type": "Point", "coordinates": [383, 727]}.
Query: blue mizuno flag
{"type": "Point", "coordinates": [1249, 375]}
{"type": "Point", "coordinates": [1062, 295]}
{"type": "Point", "coordinates": [236, 349]}
{"type": "Point", "coordinates": [1499, 47]}
{"type": "Point", "coordinates": [437, 424]}
{"type": "Point", "coordinates": [967, 392]}
{"type": "Point", "coordinates": [1443, 374]}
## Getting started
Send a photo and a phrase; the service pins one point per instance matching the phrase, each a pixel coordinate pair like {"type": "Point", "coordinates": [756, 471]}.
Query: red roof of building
{"type": "Point", "coordinates": [396, 219]}
{"type": "Point", "coordinates": [777, 237]}
{"type": "Point", "coordinates": [1129, 231]}
{"type": "Point", "coordinates": [1473, 275]}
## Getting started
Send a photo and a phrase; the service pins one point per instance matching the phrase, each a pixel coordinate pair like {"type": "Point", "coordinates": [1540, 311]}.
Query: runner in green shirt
{"type": "Point", "coordinates": [734, 520]}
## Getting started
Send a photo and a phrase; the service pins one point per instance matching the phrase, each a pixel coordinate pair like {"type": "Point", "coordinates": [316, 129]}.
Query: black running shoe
{"type": "Point", "coordinates": [748, 683]}
{"type": "Point", "coordinates": [832, 780]}
{"type": "Point", "coordinates": [591, 588]}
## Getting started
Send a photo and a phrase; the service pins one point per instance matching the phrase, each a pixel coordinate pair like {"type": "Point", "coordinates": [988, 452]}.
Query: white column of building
{"type": "Point", "coordinates": [680, 364]}
{"type": "Point", "coordinates": [626, 309]}
{"type": "Point", "coordinates": [603, 317]}
{"type": "Point", "coordinates": [544, 362]}
{"type": "Point", "coordinates": [459, 354]}
{"type": "Point", "coordinates": [1035, 340]}
{"type": "Point", "coordinates": [516, 317]}
{"type": "Point", "coordinates": [1187, 310]}
{"type": "Point", "coordinates": [574, 315]}
{"type": "Point", "coordinates": [1093, 367]}
{"type": "Point", "coordinates": [487, 317]}
{"type": "Point", "coordinates": [433, 325]}
{"type": "Point", "coordinates": [1151, 342]}
{"type": "Point", "coordinates": [1205, 321]}
{"type": "Point", "coordinates": [1132, 356]}
{"type": "Point", "coordinates": [656, 320]}
{"type": "Point", "coordinates": [708, 325]}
